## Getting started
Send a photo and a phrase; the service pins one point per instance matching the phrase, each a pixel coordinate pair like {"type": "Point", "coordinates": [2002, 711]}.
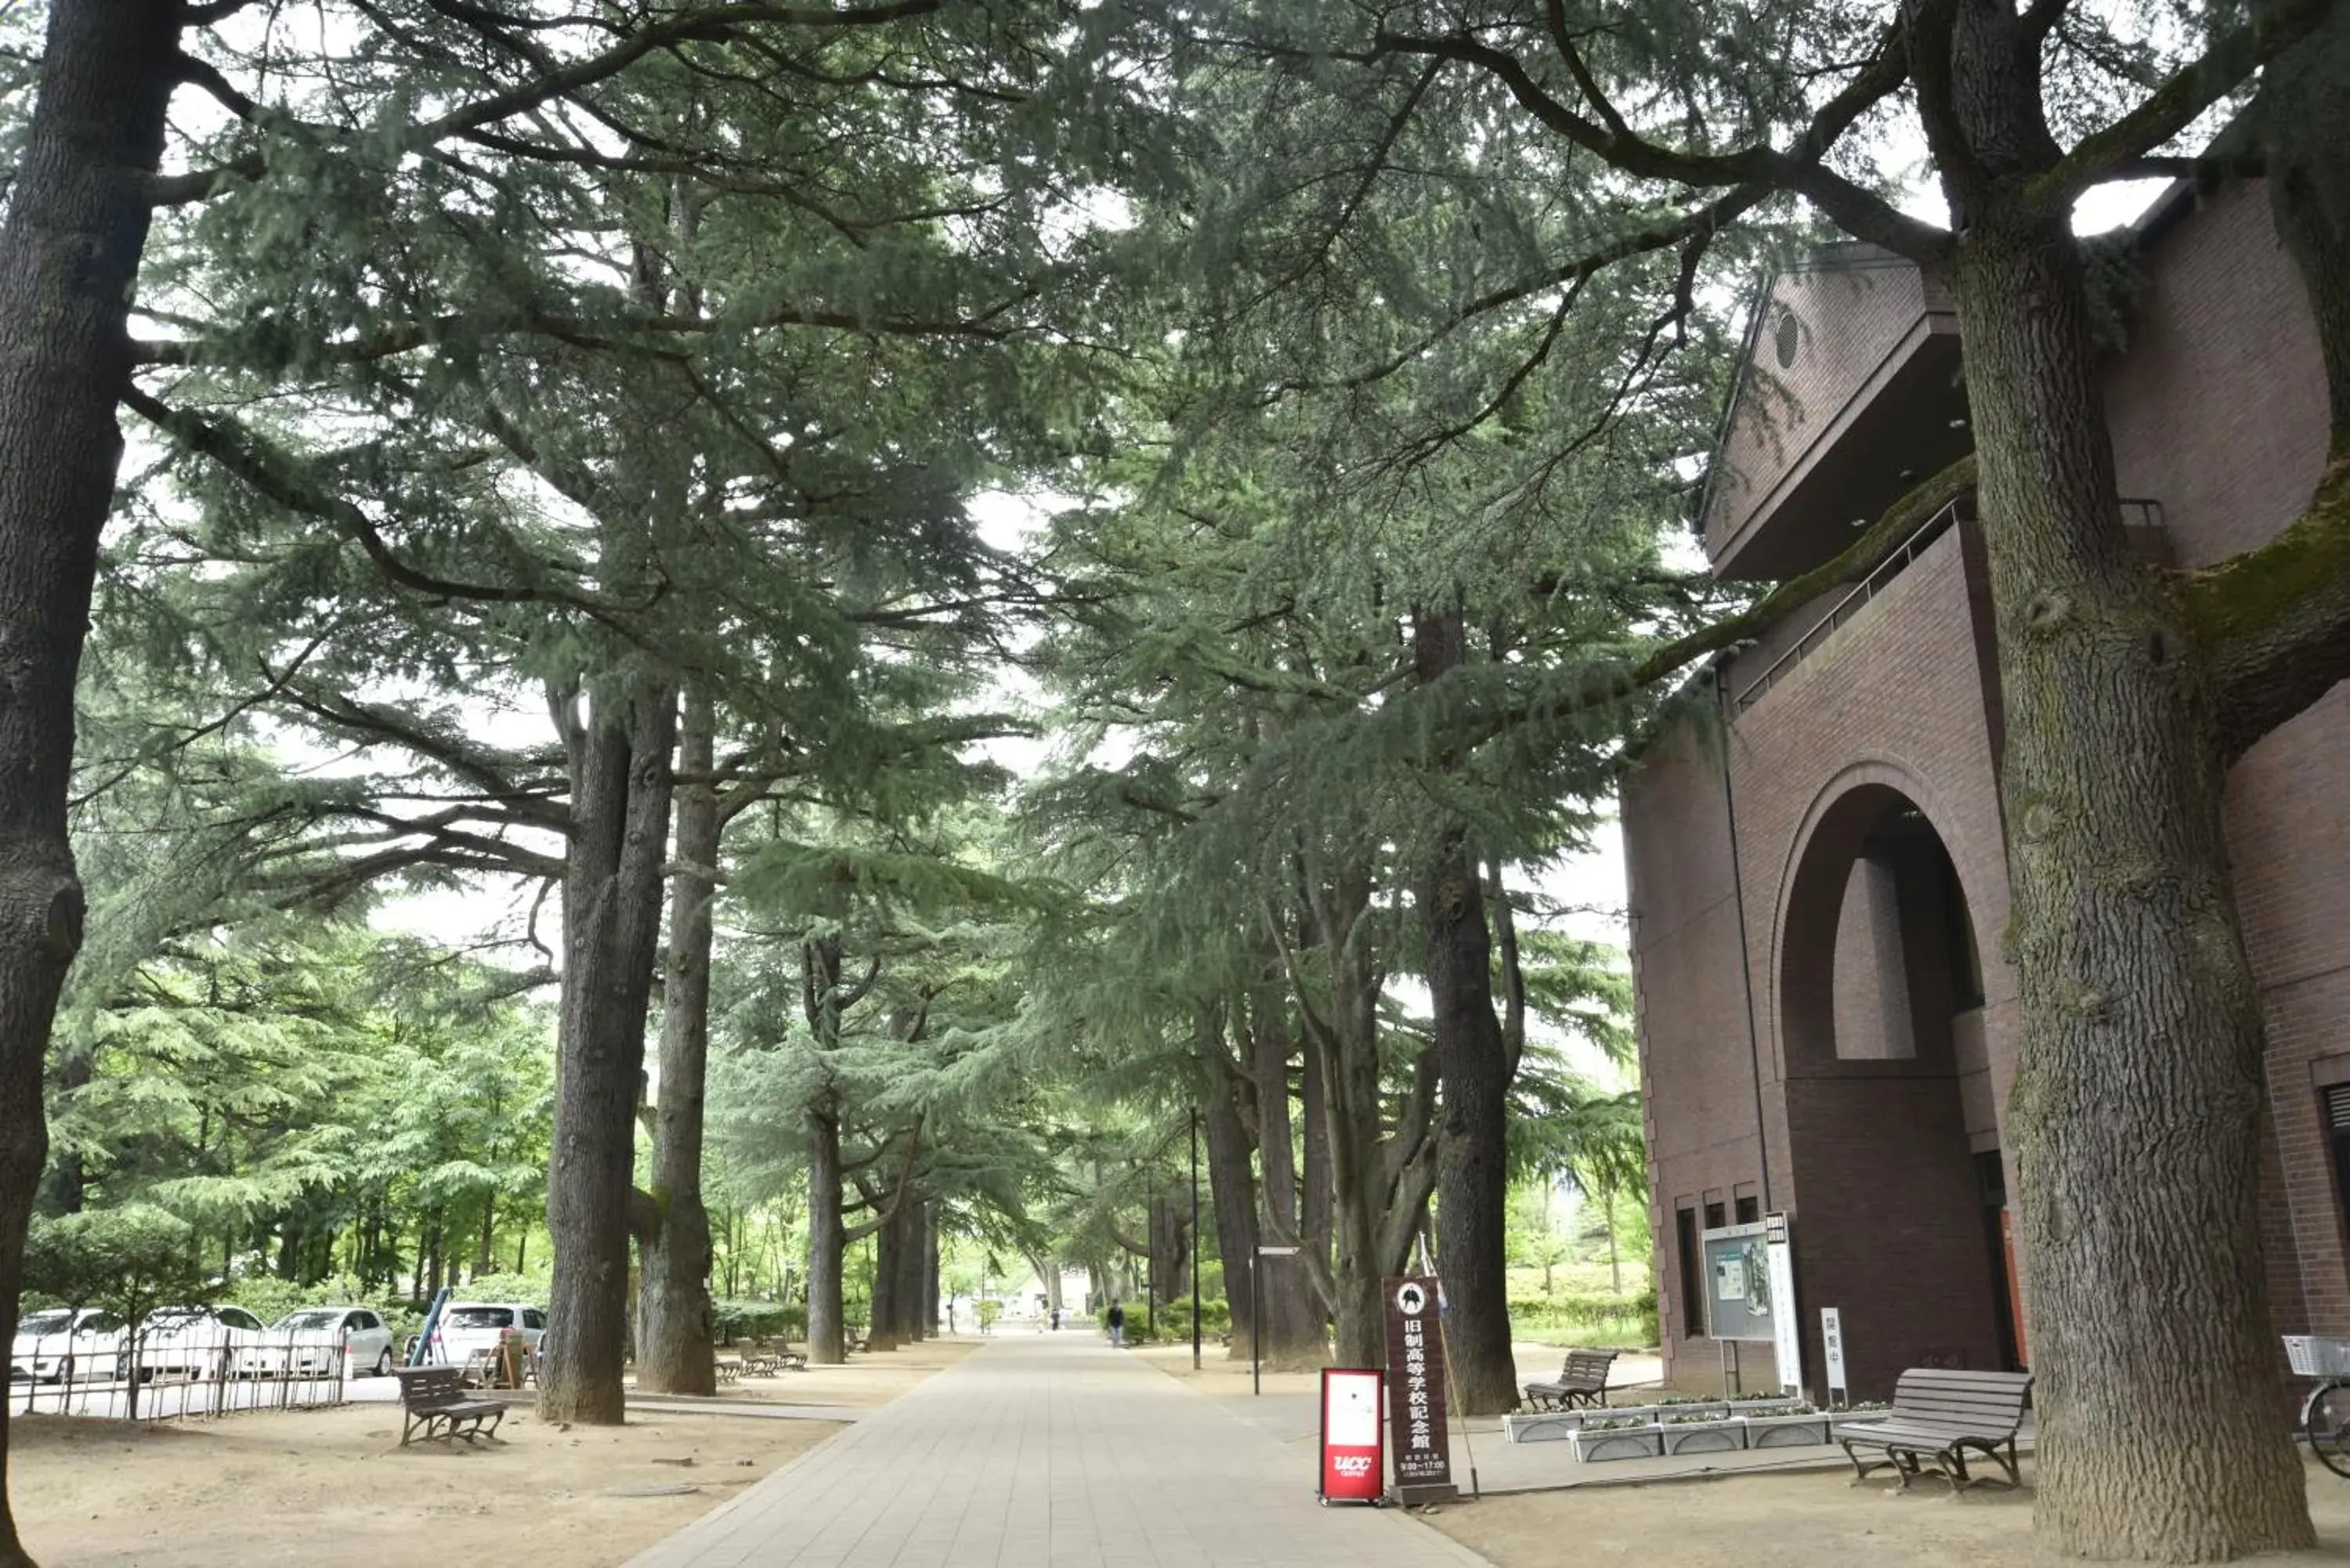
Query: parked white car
{"type": "Point", "coordinates": [310, 1342]}
{"type": "Point", "coordinates": [468, 1327]}
{"type": "Point", "coordinates": [192, 1342]}
{"type": "Point", "coordinates": [58, 1342]}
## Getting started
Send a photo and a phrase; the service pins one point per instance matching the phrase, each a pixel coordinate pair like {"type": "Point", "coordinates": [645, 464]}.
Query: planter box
{"type": "Point", "coordinates": [1800, 1430]}
{"type": "Point", "coordinates": [1617, 1443]}
{"type": "Point", "coordinates": [1690, 1407]}
{"type": "Point", "coordinates": [1772, 1406]}
{"type": "Point", "coordinates": [1722, 1437]}
{"type": "Point", "coordinates": [1543, 1425]}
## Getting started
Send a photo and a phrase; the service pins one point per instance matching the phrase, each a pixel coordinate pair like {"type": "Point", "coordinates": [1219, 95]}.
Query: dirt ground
{"type": "Point", "coordinates": [334, 1486]}
{"type": "Point", "coordinates": [1797, 1521]}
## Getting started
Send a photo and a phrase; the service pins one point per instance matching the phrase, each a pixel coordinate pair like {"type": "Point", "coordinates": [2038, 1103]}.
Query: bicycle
{"type": "Point", "coordinates": [2326, 1414]}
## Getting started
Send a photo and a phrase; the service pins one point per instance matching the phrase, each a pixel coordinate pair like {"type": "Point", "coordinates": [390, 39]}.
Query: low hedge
{"type": "Point", "coordinates": [759, 1320]}
{"type": "Point", "coordinates": [1172, 1323]}
{"type": "Point", "coordinates": [1582, 1310]}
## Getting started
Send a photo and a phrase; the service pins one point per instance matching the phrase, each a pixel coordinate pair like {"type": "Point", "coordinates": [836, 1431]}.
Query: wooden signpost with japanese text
{"type": "Point", "coordinates": [1422, 1443]}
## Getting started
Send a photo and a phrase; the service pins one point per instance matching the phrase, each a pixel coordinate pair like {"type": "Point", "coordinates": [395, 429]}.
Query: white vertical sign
{"type": "Point", "coordinates": [1832, 1342]}
{"type": "Point", "coordinates": [1786, 1327]}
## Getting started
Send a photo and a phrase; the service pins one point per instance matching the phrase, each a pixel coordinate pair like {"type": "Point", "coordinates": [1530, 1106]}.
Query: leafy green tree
{"type": "Point", "coordinates": [1665, 134]}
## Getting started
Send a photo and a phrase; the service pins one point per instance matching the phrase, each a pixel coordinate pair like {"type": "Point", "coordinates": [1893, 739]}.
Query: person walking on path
{"type": "Point", "coordinates": [1116, 1323]}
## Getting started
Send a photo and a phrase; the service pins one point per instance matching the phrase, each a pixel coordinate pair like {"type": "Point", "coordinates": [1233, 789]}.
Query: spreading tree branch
{"type": "Point", "coordinates": [273, 475]}
{"type": "Point", "coordinates": [2234, 55]}
{"type": "Point", "coordinates": [706, 24]}
{"type": "Point", "coordinates": [1797, 169]}
{"type": "Point", "coordinates": [2272, 624]}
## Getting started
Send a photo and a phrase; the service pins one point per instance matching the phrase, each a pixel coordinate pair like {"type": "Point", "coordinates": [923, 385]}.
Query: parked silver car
{"type": "Point", "coordinates": [310, 1342]}
{"type": "Point", "coordinates": [469, 1326]}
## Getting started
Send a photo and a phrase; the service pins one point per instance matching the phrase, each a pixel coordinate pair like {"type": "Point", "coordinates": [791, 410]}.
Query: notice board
{"type": "Point", "coordinates": [1737, 1284]}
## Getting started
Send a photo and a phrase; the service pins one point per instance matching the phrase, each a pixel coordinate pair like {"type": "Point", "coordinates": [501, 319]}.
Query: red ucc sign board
{"type": "Point", "coordinates": [1423, 1448]}
{"type": "Point", "coordinates": [1351, 1451]}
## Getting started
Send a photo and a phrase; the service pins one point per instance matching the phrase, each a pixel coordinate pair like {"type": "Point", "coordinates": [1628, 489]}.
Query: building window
{"type": "Point", "coordinates": [1692, 1273]}
{"type": "Point", "coordinates": [2337, 1135]}
{"type": "Point", "coordinates": [1716, 1215]}
{"type": "Point", "coordinates": [1750, 1209]}
{"type": "Point", "coordinates": [1790, 339]}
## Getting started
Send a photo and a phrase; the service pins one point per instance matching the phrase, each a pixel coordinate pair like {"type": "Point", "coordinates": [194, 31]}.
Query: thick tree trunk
{"type": "Point", "coordinates": [1293, 1314]}
{"type": "Point", "coordinates": [827, 1237]}
{"type": "Point", "coordinates": [2135, 1109]}
{"type": "Point", "coordinates": [881, 1307]}
{"type": "Point", "coordinates": [1615, 1256]}
{"type": "Point", "coordinates": [1170, 1249]}
{"type": "Point", "coordinates": [619, 778]}
{"type": "Point", "coordinates": [932, 1305]}
{"type": "Point", "coordinates": [915, 1271]}
{"type": "Point", "coordinates": [77, 225]}
{"type": "Point", "coordinates": [1232, 1186]}
{"type": "Point", "coordinates": [1473, 1150]}
{"type": "Point", "coordinates": [897, 1273]}
{"type": "Point", "coordinates": [1317, 1215]}
{"type": "Point", "coordinates": [1379, 1184]}
{"type": "Point", "coordinates": [1358, 1327]}
{"type": "Point", "coordinates": [675, 1334]}
{"type": "Point", "coordinates": [1349, 1073]}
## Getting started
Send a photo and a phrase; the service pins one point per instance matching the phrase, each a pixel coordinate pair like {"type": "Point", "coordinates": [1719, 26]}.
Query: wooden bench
{"type": "Point", "coordinates": [770, 1363]}
{"type": "Point", "coordinates": [1582, 1381]}
{"type": "Point", "coordinates": [729, 1368]}
{"type": "Point", "coordinates": [434, 1401]}
{"type": "Point", "coordinates": [1938, 1415]}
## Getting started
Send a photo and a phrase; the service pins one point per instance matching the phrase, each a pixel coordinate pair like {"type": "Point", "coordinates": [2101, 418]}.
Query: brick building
{"type": "Point", "coordinates": [1818, 877]}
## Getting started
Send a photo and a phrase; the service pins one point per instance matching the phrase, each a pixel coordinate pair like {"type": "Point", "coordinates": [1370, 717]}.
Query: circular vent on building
{"type": "Point", "coordinates": [1790, 338]}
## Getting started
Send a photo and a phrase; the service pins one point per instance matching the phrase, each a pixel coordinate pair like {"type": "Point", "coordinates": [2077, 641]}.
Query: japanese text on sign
{"type": "Point", "coordinates": [1423, 1450]}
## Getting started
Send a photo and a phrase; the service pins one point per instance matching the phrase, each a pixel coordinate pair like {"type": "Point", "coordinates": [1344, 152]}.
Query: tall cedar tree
{"type": "Point", "coordinates": [2129, 689]}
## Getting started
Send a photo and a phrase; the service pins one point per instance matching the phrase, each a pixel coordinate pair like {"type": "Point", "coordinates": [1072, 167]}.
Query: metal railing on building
{"type": "Point", "coordinates": [2142, 524]}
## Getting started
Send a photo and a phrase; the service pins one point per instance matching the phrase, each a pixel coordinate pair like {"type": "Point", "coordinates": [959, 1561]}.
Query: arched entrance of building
{"type": "Point", "coordinates": [1879, 1002]}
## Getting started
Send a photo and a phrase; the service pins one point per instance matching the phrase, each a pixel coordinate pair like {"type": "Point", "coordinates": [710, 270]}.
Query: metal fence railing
{"type": "Point", "coordinates": [173, 1375]}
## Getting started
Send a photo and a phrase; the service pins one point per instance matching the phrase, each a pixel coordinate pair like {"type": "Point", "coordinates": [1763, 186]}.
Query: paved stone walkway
{"type": "Point", "coordinates": [1050, 1451]}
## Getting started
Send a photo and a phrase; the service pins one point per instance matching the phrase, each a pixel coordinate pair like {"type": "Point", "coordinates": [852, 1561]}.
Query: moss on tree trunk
{"type": "Point", "coordinates": [2136, 1110]}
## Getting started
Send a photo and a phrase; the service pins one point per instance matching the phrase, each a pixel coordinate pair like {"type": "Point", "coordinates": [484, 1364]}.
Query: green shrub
{"type": "Point", "coordinates": [532, 1288]}
{"type": "Point", "coordinates": [1597, 1321]}
{"type": "Point", "coordinates": [128, 1259]}
{"type": "Point", "coordinates": [743, 1319]}
{"type": "Point", "coordinates": [1171, 1325]}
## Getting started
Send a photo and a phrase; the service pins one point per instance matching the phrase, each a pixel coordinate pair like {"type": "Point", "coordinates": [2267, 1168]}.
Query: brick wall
{"type": "Point", "coordinates": [1696, 1074]}
{"type": "Point", "coordinates": [1886, 1205]}
{"type": "Point", "coordinates": [1851, 311]}
{"type": "Point", "coordinates": [2218, 413]}
{"type": "Point", "coordinates": [1871, 1156]}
